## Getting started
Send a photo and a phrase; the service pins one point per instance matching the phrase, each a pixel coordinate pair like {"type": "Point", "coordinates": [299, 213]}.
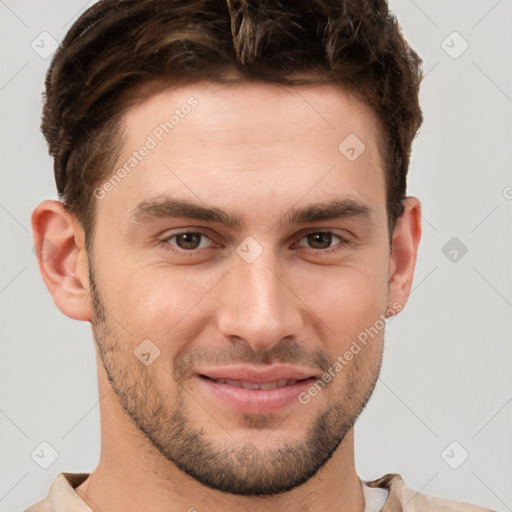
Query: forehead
{"type": "Point", "coordinates": [228, 142]}
{"type": "Point", "coordinates": [238, 108]}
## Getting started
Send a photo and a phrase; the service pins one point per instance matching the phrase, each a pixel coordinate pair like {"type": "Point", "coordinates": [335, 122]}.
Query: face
{"type": "Point", "coordinates": [237, 262]}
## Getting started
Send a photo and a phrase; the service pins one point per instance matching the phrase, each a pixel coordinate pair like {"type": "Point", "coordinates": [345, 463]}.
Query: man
{"type": "Point", "coordinates": [234, 225]}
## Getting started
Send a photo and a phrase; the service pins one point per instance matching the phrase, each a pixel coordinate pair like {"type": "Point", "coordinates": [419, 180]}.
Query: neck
{"type": "Point", "coordinates": [125, 478]}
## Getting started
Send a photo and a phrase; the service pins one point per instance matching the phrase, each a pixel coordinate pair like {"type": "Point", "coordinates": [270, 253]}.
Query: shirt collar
{"type": "Point", "coordinates": [63, 497]}
{"type": "Point", "coordinates": [396, 486]}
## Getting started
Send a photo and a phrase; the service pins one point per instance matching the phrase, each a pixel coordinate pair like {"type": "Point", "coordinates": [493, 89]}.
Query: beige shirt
{"type": "Point", "coordinates": [63, 498]}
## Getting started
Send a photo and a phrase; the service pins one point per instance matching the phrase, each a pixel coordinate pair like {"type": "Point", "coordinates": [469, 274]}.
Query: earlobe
{"type": "Point", "coordinates": [404, 250]}
{"type": "Point", "coordinates": [62, 258]}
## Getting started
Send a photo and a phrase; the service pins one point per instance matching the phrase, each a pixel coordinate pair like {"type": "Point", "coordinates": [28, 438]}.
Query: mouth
{"type": "Point", "coordinates": [255, 385]}
{"type": "Point", "coordinates": [260, 390]}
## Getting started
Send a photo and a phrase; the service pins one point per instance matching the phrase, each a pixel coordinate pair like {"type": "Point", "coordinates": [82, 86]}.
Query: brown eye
{"type": "Point", "coordinates": [323, 242]}
{"type": "Point", "coordinates": [187, 241]}
{"type": "Point", "coordinates": [320, 240]}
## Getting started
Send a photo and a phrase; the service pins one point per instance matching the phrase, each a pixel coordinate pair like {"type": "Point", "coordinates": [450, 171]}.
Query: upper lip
{"type": "Point", "coordinates": [255, 374]}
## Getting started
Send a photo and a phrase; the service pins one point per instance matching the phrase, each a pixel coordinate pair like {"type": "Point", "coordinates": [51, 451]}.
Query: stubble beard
{"type": "Point", "coordinates": [244, 469]}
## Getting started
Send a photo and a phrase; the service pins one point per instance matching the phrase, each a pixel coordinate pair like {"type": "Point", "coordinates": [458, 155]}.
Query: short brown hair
{"type": "Point", "coordinates": [117, 46]}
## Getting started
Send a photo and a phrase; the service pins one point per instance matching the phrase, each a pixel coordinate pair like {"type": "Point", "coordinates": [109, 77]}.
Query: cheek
{"type": "Point", "coordinates": [346, 298]}
{"type": "Point", "coordinates": [166, 306]}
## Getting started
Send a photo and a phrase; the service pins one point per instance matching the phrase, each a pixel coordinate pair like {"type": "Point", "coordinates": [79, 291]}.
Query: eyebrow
{"type": "Point", "coordinates": [169, 207]}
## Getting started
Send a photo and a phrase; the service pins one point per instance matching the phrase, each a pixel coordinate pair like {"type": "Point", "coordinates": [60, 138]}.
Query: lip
{"type": "Point", "coordinates": [257, 375]}
{"type": "Point", "coordinates": [256, 401]}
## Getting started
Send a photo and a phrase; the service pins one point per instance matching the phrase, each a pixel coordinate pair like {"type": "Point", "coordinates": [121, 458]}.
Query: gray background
{"type": "Point", "coordinates": [446, 375]}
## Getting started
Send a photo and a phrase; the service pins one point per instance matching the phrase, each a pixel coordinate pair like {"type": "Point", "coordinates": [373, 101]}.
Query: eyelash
{"type": "Point", "coordinates": [165, 243]}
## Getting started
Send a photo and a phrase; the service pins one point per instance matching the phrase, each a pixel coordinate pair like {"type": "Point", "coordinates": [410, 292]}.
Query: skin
{"type": "Point", "coordinates": [259, 151]}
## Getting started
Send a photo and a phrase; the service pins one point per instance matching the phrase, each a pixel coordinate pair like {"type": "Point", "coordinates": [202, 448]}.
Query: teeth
{"type": "Point", "coordinates": [254, 385]}
{"type": "Point", "coordinates": [250, 385]}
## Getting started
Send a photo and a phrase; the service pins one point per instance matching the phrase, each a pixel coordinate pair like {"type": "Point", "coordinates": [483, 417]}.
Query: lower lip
{"type": "Point", "coordinates": [256, 400]}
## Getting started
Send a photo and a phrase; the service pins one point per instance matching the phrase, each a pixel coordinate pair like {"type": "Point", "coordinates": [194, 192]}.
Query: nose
{"type": "Point", "coordinates": [258, 304]}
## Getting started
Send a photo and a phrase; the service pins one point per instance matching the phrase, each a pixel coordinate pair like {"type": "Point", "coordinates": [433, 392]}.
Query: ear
{"type": "Point", "coordinates": [63, 263]}
{"type": "Point", "coordinates": [404, 250]}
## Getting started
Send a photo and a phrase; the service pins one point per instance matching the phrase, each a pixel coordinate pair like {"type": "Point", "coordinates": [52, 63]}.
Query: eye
{"type": "Point", "coordinates": [320, 241]}
{"type": "Point", "coordinates": [186, 241]}
{"type": "Point", "coordinates": [190, 242]}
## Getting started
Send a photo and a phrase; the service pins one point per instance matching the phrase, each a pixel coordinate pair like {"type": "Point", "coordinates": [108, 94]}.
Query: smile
{"type": "Point", "coordinates": [255, 385]}
{"type": "Point", "coordinates": [255, 389]}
